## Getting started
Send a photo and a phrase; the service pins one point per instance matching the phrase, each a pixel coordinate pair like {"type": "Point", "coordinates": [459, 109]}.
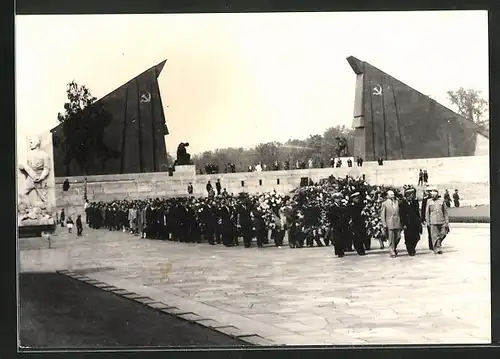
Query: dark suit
{"type": "Point", "coordinates": [357, 227]}
{"type": "Point", "coordinates": [227, 227]}
{"type": "Point", "coordinates": [338, 223]}
{"type": "Point", "coordinates": [260, 228]}
{"type": "Point", "coordinates": [410, 219]}
{"type": "Point", "coordinates": [246, 225]}
{"type": "Point", "coordinates": [422, 218]}
{"type": "Point", "coordinates": [210, 219]}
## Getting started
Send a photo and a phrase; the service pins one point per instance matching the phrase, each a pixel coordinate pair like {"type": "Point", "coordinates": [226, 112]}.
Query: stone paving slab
{"type": "Point", "coordinates": [305, 296]}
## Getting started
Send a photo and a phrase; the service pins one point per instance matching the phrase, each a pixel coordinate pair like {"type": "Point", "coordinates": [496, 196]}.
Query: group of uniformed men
{"type": "Point", "coordinates": [225, 219]}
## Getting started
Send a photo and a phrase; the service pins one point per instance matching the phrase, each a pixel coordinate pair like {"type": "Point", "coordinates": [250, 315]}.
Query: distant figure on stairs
{"type": "Point", "coordinates": [218, 187]}
{"type": "Point", "coordinates": [456, 198]}
{"type": "Point", "coordinates": [190, 188]}
{"type": "Point", "coordinates": [380, 161]}
{"type": "Point", "coordinates": [426, 177]}
{"type": "Point", "coordinates": [66, 185]}
{"type": "Point", "coordinates": [209, 187]}
{"type": "Point", "coordinates": [420, 178]}
{"type": "Point", "coordinates": [447, 198]}
{"type": "Point", "coordinates": [87, 211]}
{"type": "Point", "coordinates": [62, 217]}
{"type": "Point", "coordinates": [79, 225]}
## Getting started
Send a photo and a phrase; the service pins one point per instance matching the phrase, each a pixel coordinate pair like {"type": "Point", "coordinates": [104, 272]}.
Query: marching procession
{"type": "Point", "coordinates": [347, 213]}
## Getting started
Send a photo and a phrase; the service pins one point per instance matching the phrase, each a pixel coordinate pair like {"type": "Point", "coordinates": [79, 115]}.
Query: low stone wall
{"type": "Point", "coordinates": [470, 175]}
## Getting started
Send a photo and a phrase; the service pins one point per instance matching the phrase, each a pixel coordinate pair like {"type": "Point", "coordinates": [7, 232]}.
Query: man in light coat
{"type": "Point", "coordinates": [391, 221]}
{"type": "Point", "coordinates": [132, 218]}
{"type": "Point", "coordinates": [436, 216]}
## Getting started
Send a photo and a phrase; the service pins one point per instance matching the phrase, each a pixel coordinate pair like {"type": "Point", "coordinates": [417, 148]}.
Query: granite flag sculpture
{"type": "Point", "coordinates": [394, 121]}
{"type": "Point", "coordinates": [135, 133]}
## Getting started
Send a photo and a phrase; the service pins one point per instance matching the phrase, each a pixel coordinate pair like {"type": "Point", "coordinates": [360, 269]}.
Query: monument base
{"type": "Point", "coordinates": [31, 228]}
{"type": "Point", "coordinates": [185, 170]}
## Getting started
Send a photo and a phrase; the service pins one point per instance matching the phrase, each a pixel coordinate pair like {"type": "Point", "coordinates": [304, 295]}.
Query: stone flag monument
{"type": "Point", "coordinates": [36, 185]}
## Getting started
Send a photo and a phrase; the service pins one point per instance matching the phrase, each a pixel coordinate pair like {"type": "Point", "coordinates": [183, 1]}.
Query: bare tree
{"type": "Point", "coordinates": [470, 104]}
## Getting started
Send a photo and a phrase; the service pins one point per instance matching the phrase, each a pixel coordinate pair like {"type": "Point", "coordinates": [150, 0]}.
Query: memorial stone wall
{"type": "Point", "coordinates": [470, 175]}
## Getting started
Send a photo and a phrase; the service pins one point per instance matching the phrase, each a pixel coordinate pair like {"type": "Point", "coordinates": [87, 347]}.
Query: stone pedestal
{"type": "Point", "coordinates": [185, 171]}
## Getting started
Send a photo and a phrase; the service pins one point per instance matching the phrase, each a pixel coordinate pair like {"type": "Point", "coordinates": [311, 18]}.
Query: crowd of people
{"type": "Point", "coordinates": [347, 213]}
{"type": "Point", "coordinates": [211, 168]}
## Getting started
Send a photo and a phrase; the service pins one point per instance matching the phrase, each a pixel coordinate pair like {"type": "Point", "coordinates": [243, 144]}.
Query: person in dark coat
{"type": "Point", "coordinates": [357, 223]}
{"type": "Point", "coordinates": [208, 223]}
{"type": "Point", "coordinates": [209, 187]}
{"type": "Point", "coordinates": [338, 226]}
{"type": "Point", "coordinates": [426, 197]}
{"type": "Point", "coordinates": [456, 199]}
{"type": "Point", "coordinates": [183, 223]}
{"type": "Point", "coordinates": [173, 222]}
{"type": "Point", "coordinates": [218, 187]}
{"type": "Point", "coordinates": [227, 226]}
{"type": "Point", "coordinates": [79, 225]}
{"type": "Point", "coordinates": [190, 188]}
{"type": "Point", "coordinates": [260, 228]}
{"type": "Point", "coordinates": [447, 198]}
{"type": "Point", "coordinates": [66, 185]}
{"type": "Point", "coordinates": [411, 221]}
{"type": "Point", "coordinates": [245, 222]}
{"type": "Point", "coordinates": [426, 177]}
{"type": "Point", "coordinates": [194, 226]}
{"type": "Point", "coordinates": [293, 232]}
{"type": "Point", "coordinates": [62, 217]}
{"type": "Point", "coordinates": [219, 226]}
{"type": "Point", "coordinates": [420, 178]}
{"type": "Point", "coordinates": [162, 225]}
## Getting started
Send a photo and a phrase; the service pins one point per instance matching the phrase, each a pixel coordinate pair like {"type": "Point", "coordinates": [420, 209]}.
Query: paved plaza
{"type": "Point", "coordinates": [298, 296]}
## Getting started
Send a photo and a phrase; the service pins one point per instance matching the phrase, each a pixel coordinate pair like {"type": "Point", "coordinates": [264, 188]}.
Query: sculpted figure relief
{"type": "Point", "coordinates": [34, 198]}
{"type": "Point", "coordinates": [183, 158]}
{"type": "Point", "coordinates": [341, 147]}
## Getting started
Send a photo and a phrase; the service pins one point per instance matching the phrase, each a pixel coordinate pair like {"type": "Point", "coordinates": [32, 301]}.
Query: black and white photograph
{"type": "Point", "coordinates": [253, 179]}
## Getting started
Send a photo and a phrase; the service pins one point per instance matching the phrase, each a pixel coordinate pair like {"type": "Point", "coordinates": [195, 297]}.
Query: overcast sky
{"type": "Point", "coordinates": [241, 79]}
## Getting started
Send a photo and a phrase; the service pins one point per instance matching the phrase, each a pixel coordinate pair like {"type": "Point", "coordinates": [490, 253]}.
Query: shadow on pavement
{"type": "Point", "coordinates": [59, 312]}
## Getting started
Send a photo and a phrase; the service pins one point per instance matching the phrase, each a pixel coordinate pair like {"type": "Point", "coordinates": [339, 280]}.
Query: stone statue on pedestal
{"type": "Point", "coordinates": [341, 147]}
{"type": "Point", "coordinates": [183, 158]}
{"type": "Point", "coordinates": [34, 200]}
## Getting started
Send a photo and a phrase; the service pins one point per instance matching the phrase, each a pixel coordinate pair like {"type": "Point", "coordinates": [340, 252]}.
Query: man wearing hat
{"type": "Point", "coordinates": [410, 219]}
{"type": "Point", "coordinates": [391, 221]}
{"type": "Point", "coordinates": [338, 223]}
{"type": "Point", "coordinates": [436, 216]}
{"type": "Point", "coordinates": [357, 221]}
{"type": "Point", "coordinates": [426, 197]}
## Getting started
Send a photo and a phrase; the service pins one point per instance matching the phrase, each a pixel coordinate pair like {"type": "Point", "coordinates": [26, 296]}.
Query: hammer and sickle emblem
{"type": "Point", "coordinates": [146, 97]}
{"type": "Point", "coordinates": [377, 90]}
